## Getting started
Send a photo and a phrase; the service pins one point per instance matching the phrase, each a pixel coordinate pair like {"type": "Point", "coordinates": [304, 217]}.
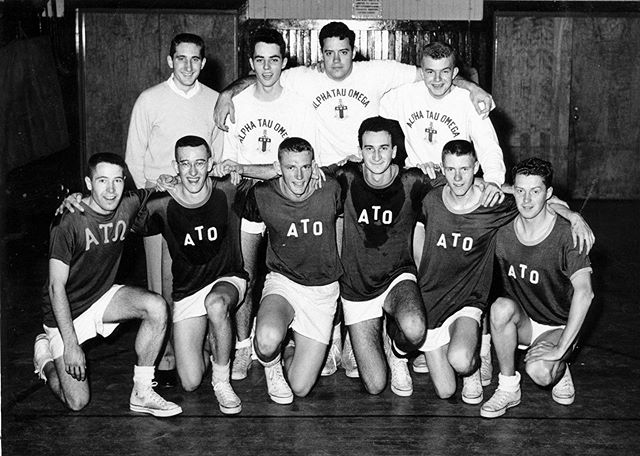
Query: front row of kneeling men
{"type": "Point", "coordinates": [434, 305]}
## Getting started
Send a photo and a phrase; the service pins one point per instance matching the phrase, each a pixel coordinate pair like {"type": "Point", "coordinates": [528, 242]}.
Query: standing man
{"type": "Point", "coordinates": [81, 300]}
{"type": "Point", "coordinates": [434, 111]}
{"type": "Point", "coordinates": [342, 96]}
{"type": "Point", "coordinates": [199, 223]}
{"type": "Point", "coordinates": [162, 114]}
{"type": "Point", "coordinates": [266, 114]}
{"type": "Point", "coordinates": [546, 293]}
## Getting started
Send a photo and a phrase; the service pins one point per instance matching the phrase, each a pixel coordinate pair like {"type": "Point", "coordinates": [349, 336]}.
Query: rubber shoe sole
{"type": "Point", "coordinates": [563, 400]}
{"type": "Point", "coordinates": [497, 413]}
{"type": "Point", "coordinates": [230, 410]}
{"type": "Point", "coordinates": [156, 412]}
{"type": "Point", "coordinates": [400, 392]}
{"type": "Point", "coordinates": [286, 400]}
{"type": "Point", "coordinates": [472, 400]}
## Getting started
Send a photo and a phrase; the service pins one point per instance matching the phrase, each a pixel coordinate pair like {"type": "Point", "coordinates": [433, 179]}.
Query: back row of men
{"type": "Point", "coordinates": [433, 304]}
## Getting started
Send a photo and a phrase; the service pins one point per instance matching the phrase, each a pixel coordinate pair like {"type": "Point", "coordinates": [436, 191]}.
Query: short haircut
{"type": "Point", "coordinates": [337, 30]}
{"type": "Point", "coordinates": [192, 141]}
{"type": "Point", "coordinates": [294, 144]}
{"type": "Point", "coordinates": [459, 147]}
{"type": "Point", "coordinates": [269, 36]}
{"type": "Point", "coordinates": [377, 124]}
{"type": "Point", "coordinates": [104, 157]}
{"type": "Point", "coordinates": [534, 167]}
{"type": "Point", "coordinates": [438, 50]}
{"type": "Point", "coordinates": [186, 38]}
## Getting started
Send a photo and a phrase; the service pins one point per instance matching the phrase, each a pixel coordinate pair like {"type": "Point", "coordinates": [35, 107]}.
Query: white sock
{"type": "Point", "coordinates": [143, 375]}
{"type": "Point", "coordinates": [337, 334]}
{"type": "Point", "coordinates": [485, 346]}
{"type": "Point", "coordinates": [246, 343]}
{"type": "Point", "coordinates": [219, 373]}
{"type": "Point", "coordinates": [509, 383]}
{"type": "Point", "coordinates": [271, 363]}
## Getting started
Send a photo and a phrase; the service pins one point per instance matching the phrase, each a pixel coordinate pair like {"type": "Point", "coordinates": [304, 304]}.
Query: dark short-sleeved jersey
{"type": "Point", "coordinates": [538, 276]}
{"type": "Point", "coordinates": [302, 234]}
{"type": "Point", "coordinates": [456, 268]}
{"type": "Point", "coordinates": [204, 240]}
{"type": "Point", "coordinates": [91, 245]}
{"type": "Point", "coordinates": [378, 229]}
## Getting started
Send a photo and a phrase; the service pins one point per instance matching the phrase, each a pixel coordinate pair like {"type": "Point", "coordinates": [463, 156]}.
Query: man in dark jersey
{"type": "Point", "coordinates": [301, 288]}
{"type": "Point", "coordinates": [200, 223]}
{"type": "Point", "coordinates": [81, 300]}
{"type": "Point", "coordinates": [381, 202]}
{"type": "Point", "coordinates": [546, 293]}
{"type": "Point", "coordinates": [456, 269]}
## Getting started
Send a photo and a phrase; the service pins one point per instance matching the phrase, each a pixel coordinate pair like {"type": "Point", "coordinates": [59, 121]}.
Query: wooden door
{"type": "Point", "coordinates": [568, 90]}
{"type": "Point", "coordinates": [605, 107]}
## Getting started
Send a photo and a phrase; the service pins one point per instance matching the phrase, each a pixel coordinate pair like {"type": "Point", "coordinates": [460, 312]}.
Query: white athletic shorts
{"type": "Point", "coordinates": [314, 306]}
{"type": "Point", "coordinates": [193, 305]}
{"type": "Point", "coordinates": [252, 227]}
{"type": "Point", "coordinates": [439, 337]}
{"type": "Point", "coordinates": [87, 325]}
{"type": "Point", "coordinates": [357, 311]}
{"type": "Point", "coordinates": [537, 329]}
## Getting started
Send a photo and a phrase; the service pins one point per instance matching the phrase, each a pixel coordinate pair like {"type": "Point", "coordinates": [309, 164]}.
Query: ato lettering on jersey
{"type": "Point", "coordinates": [466, 243]}
{"type": "Point", "coordinates": [305, 227]}
{"type": "Point", "coordinates": [377, 216]}
{"type": "Point", "coordinates": [108, 233]}
{"type": "Point", "coordinates": [522, 271]}
{"type": "Point", "coordinates": [210, 234]}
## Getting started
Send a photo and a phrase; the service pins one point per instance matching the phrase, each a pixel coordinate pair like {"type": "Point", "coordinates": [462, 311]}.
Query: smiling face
{"type": "Point", "coordinates": [296, 168]}
{"type": "Point", "coordinates": [186, 64]}
{"type": "Point", "coordinates": [338, 57]}
{"type": "Point", "coordinates": [193, 164]}
{"type": "Point", "coordinates": [377, 151]}
{"type": "Point", "coordinates": [106, 186]}
{"type": "Point", "coordinates": [268, 63]}
{"type": "Point", "coordinates": [459, 170]}
{"type": "Point", "coordinates": [531, 195]}
{"type": "Point", "coordinates": [438, 75]}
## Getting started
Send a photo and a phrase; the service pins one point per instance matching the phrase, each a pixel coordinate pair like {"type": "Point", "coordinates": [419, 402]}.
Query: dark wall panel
{"type": "Point", "coordinates": [606, 106]}
{"type": "Point", "coordinates": [120, 60]}
{"type": "Point", "coordinates": [124, 52]}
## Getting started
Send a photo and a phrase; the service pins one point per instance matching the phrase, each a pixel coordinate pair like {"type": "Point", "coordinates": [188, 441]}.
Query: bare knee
{"type": "Point", "coordinates": [540, 372]}
{"type": "Point", "coordinates": [190, 381]}
{"type": "Point", "coordinates": [502, 311]}
{"type": "Point", "coordinates": [300, 387]}
{"type": "Point", "coordinates": [217, 308]}
{"type": "Point", "coordinates": [445, 390]}
{"type": "Point", "coordinates": [267, 341]}
{"type": "Point", "coordinates": [463, 361]}
{"type": "Point", "coordinates": [414, 330]}
{"type": "Point", "coordinates": [155, 309]}
{"type": "Point", "coordinates": [76, 402]}
{"type": "Point", "coordinates": [374, 384]}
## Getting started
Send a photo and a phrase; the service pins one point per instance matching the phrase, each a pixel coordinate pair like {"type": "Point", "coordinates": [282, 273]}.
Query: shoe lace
{"type": "Point", "coordinates": [224, 392]}
{"type": "Point", "coordinates": [242, 359]}
{"type": "Point", "coordinates": [565, 383]}
{"type": "Point", "coordinates": [472, 382]}
{"type": "Point", "coordinates": [499, 399]}
{"type": "Point", "coordinates": [276, 376]}
{"type": "Point", "coordinates": [150, 395]}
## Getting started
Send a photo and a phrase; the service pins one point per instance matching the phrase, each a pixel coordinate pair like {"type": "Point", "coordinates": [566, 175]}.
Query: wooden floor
{"type": "Point", "coordinates": [337, 417]}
